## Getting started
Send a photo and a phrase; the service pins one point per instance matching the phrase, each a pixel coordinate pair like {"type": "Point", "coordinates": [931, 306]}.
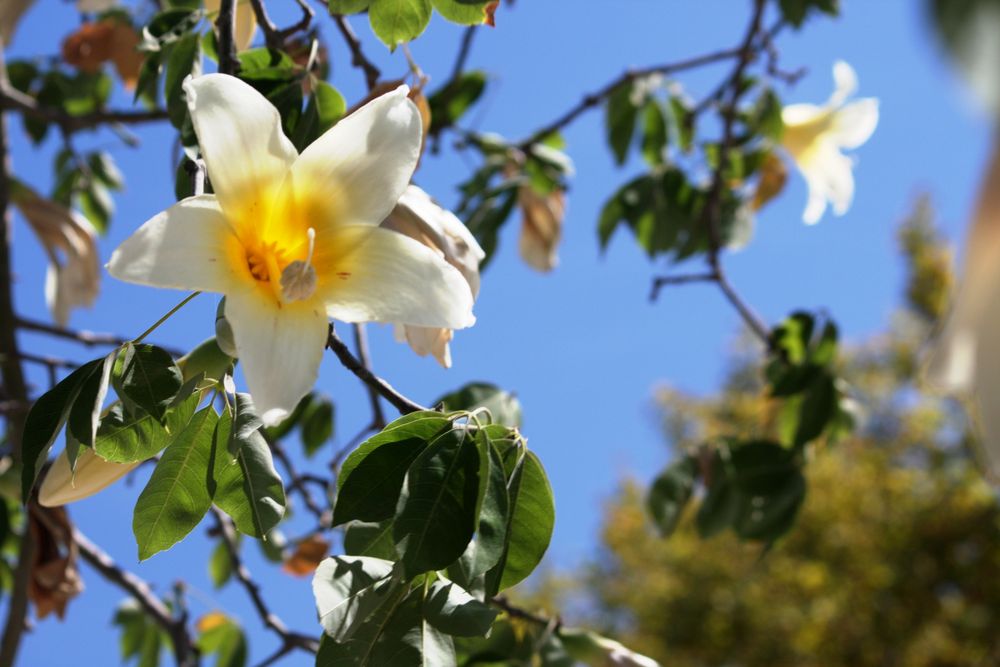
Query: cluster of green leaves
{"type": "Point", "coordinates": [442, 513]}
{"type": "Point", "coordinates": [397, 21]}
{"type": "Point", "coordinates": [666, 207]}
{"type": "Point", "coordinates": [177, 38]}
{"type": "Point", "coordinates": [69, 91]}
{"type": "Point", "coordinates": [797, 11]}
{"type": "Point", "coordinates": [206, 457]}
{"type": "Point", "coordinates": [143, 641]}
{"type": "Point", "coordinates": [756, 486]}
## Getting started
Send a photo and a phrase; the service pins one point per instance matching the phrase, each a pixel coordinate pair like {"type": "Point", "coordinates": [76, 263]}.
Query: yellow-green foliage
{"type": "Point", "coordinates": [894, 559]}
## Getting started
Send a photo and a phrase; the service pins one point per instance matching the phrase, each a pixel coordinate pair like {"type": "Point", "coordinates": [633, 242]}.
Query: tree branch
{"type": "Point", "coordinates": [358, 57]}
{"type": "Point", "coordinates": [14, 390]}
{"type": "Point", "coordinates": [384, 389]}
{"type": "Point", "coordinates": [597, 97]}
{"type": "Point", "coordinates": [152, 605]}
{"type": "Point", "coordinates": [14, 100]}
{"type": "Point", "coordinates": [290, 640]}
{"type": "Point", "coordinates": [225, 24]}
{"type": "Point", "coordinates": [361, 345]}
{"type": "Point", "coordinates": [463, 52]}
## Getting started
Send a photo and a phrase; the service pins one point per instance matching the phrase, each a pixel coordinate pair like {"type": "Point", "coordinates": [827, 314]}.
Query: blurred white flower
{"type": "Point", "coordinates": [815, 137]}
{"type": "Point", "coordinates": [62, 485]}
{"type": "Point", "coordinates": [418, 216]}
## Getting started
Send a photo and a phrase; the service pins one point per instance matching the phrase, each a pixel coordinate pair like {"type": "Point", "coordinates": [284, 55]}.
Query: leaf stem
{"type": "Point", "coordinates": [163, 319]}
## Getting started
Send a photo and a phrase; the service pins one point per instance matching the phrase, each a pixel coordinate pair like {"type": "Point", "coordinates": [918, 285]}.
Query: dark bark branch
{"type": "Point", "coordinates": [463, 52]}
{"type": "Point", "coordinates": [14, 390]}
{"type": "Point", "coordinates": [88, 338]}
{"type": "Point", "coordinates": [14, 100]}
{"type": "Point", "coordinates": [225, 24]}
{"type": "Point", "coordinates": [501, 602]}
{"type": "Point", "coordinates": [597, 97]}
{"type": "Point", "coordinates": [151, 604]}
{"type": "Point", "coordinates": [358, 57]}
{"type": "Point", "coordinates": [289, 639]}
{"type": "Point", "coordinates": [384, 389]}
{"type": "Point", "coordinates": [364, 356]}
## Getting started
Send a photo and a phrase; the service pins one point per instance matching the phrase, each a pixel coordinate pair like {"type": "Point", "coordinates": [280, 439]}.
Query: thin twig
{"type": "Point", "coordinates": [271, 36]}
{"type": "Point", "coordinates": [364, 356]}
{"type": "Point", "coordinates": [47, 361]}
{"type": "Point", "coordinates": [501, 602]}
{"type": "Point", "coordinates": [14, 100]}
{"type": "Point", "coordinates": [84, 337]}
{"type": "Point", "coordinates": [358, 57]}
{"type": "Point", "coordinates": [303, 23]}
{"type": "Point", "coordinates": [597, 97]}
{"type": "Point", "coordinates": [293, 640]}
{"type": "Point", "coordinates": [662, 281]}
{"type": "Point", "coordinates": [385, 390]}
{"type": "Point", "coordinates": [297, 482]}
{"type": "Point", "coordinates": [463, 52]}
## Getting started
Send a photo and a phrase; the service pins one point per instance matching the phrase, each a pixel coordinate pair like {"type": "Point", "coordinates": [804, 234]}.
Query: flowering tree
{"type": "Point", "coordinates": [297, 207]}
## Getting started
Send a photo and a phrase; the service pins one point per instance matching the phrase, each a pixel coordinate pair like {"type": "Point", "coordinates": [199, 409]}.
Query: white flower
{"type": "Point", "coordinates": [421, 218]}
{"type": "Point", "coordinates": [815, 136]}
{"type": "Point", "coordinates": [74, 274]}
{"type": "Point", "coordinates": [292, 240]}
{"type": "Point", "coordinates": [246, 21]}
{"type": "Point", "coordinates": [964, 359]}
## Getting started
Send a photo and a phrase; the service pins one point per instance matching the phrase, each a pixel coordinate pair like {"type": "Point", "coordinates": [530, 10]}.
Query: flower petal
{"type": "Point", "coordinates": [185, 247]}
{"type": "Point", "coordinates": [801, 114]}
{"type": "Point", "coordinates": [854, 124]}
{"type": "Point", "coordinates": [382, 276]}
{"type": "Point", "coordinates": [239, 133]}
{"type": "Point", "coordinates": [62, 486]}
{"type": "Point", "coordinates": [365, 161]}
{"type": "Point", "coordinates": [846, 83]}
{"type": "Point", "coordinates": [280, 348]}
{"type": "Point", "coordinates": [246, 25]}
{"type": "Point", "coordinates": [430, 340]}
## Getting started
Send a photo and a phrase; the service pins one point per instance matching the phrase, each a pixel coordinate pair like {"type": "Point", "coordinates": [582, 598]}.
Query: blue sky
{"type": "Point", "coordinates": [582, 347]}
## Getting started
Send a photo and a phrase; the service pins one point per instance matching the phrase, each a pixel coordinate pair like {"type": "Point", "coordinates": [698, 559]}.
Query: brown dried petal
{"type": "Point", "coordinates": [309, 553]}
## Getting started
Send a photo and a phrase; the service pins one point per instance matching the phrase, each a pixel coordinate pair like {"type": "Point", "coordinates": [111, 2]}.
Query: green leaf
{"type": "Point", "coordinates": [227, 642]}
{"type": "Point", "coordinates": [178, 493]}
{"type": "Point", "coordinates": [771, 487]}
{"type": "Point", "coordinates": [464, 13]}
{"type": "Point", "coordinates": [372, 476]}
{"type": "Point", "coordinates": [670, 493]}
{"type": "Point", "coordinates": [453, 611]}
{"type": "Point", "coordinates": [347, 6]}
{"type": "Point", "coordinates": [796, 11]}
{"type": "Point", "coordinates": [347, 590]}
{"type": "Point", "coordinates": [85, 415]}
{"type": "Point", "coordinates": [149, 378]}
{"type": "Point", "coordinates": [317, 424]}
{"type": "Point", "coordinates": [330, 104]}
{"type": "Point", "coordinates": [246, 487]}
{"type": "Point", "coordinates": [129, 440]}
{"type": "Point", "coordinates": [220, 565]}
{"type": "Point", "coordinates": [184, 59]}
{"type": "Point", "coordinates": [493, 509]}
{"type": "Point", "coordinates": [396, 21]}
{"type": "Point", "coordinates": [436, 512]}
{"type": "Point", "coordinates": [503, 406]}
{"type": "Point", "coordinates": [449, 103]}
{"type": "Point", "coordinates": [46, 419]}
{"type": "Point", "coordinates": [245, 422]}
{"type": "Point", "coordinates": [620, 119]}
{"type": "Point", "coordinates": [96, 203]}
{"type": "Point", "coordinates": [654, 133]}
{"type": "Point", "coordinates": [102, 166]}
{"type": "Point", "coordinates": [531, 519]}
{"type": "Point", "coordinates": [369, 539]}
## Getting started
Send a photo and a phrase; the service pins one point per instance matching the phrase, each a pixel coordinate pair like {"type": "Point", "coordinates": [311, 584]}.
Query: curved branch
{"type": "Point", "coordinates": [384, 389]}
{"type": "Point", "coordinates": [14, 100]}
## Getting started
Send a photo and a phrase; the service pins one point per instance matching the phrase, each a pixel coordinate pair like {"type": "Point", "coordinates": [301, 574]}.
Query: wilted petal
{"type": "Point", "coordinates": [280, 347]}
{"type": "Point", "coordinates": [541, 230]}
{"type": "Point", "coordinates": [240, 136]}
{"type": "Point", "coordinates": [185, 247]}
{"type": "Point", "coordinates": [364, 162]}
{"type": "Point", "coordinates": [382, 276]}
{"type": "Point", "coordinates": [10, 14]}
{"type": "Point", "coordinates": [845, 81]}
{"type": "Point", "coordinates": [430, 340]}
{"type": "Point", "coordinates": [62, 486]}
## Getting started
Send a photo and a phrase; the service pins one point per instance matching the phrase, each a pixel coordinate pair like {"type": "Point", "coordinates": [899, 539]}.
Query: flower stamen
{"type": "Point", "coordinates": [298, 280]}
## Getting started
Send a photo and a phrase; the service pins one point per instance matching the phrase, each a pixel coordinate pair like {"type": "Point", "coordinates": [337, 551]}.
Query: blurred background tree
{"type": "Point", "coordinates": [895, 555]}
